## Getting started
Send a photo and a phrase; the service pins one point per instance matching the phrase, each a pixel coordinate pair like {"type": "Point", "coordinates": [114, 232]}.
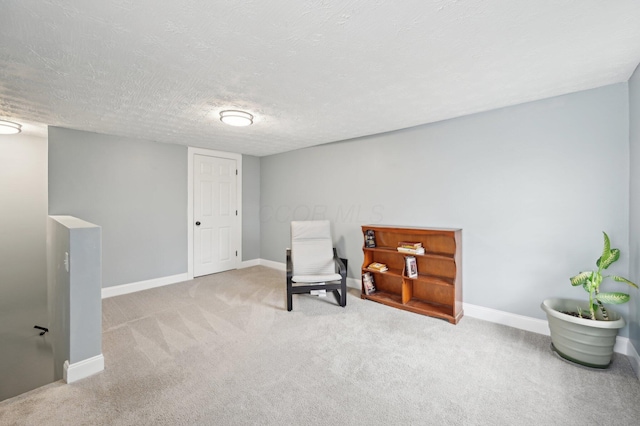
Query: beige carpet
{"type": "Point", "coordinates": [223, 350]}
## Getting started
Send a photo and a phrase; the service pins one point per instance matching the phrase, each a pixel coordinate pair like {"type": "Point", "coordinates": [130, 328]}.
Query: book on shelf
{"type": "Point", "coordinates": [377, 266]}
{"type": "Point", "coordinates": [368, 284]}
{"type": "Point", "coordinates": [369, 238]}
{"type": "Point", "coordinates": [419, 250]}
{"type": "Point", "coordinates": [411, 267]}
{"type": "Point", "coordinates": [409, 244]}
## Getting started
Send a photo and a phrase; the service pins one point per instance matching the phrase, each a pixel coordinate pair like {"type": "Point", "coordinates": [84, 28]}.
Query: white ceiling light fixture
{"type": "Point", "coordinates": [236, 118]}
{"type": "Point", "coordinates": [9, 127]}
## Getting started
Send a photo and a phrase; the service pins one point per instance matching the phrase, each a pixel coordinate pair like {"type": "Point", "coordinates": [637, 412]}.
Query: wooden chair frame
{"type": "Point", "coordinates": [339, 288]}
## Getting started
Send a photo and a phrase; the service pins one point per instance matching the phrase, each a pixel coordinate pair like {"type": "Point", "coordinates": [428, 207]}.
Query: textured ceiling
{"type": "Point", "coordinates": [311, 72]}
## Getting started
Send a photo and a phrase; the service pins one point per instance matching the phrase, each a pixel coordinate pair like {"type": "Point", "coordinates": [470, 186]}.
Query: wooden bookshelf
{"type": "Point", "coordinates": [437, 290]}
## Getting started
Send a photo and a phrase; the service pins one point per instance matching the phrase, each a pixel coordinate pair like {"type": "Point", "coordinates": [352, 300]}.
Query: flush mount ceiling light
{"type": "Point", "coordinates": [236, 118]}
{"type": "Point", "coordinates": [9, 128]}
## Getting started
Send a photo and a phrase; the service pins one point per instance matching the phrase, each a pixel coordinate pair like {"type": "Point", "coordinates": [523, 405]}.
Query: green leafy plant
{"type": "Point", "coordinates": [591, 280]}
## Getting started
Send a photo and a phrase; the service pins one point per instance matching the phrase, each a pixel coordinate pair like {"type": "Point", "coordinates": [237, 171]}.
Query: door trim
{"type": "Point", "coordinates": [191, 152]}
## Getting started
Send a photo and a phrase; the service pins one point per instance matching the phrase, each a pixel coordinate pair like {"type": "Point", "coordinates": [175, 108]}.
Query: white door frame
{"type": "Point", "coordinates": [191, 152]}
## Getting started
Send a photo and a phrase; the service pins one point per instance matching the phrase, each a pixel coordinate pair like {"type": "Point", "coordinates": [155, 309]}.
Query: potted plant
{"type": "Point", "coordinates": [585, 331]}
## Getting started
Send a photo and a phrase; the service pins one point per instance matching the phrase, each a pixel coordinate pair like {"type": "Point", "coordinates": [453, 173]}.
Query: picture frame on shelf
{"type": "Point", "coordinates": [369, 238]}
{"type": "Point", "coordinates": [368, 283]}
{"type": "Point", "coordinates": [411, 266]}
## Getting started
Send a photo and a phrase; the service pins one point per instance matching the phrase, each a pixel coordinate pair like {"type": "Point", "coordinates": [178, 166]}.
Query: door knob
{"type": "Point", "coordinates": [198, 223]}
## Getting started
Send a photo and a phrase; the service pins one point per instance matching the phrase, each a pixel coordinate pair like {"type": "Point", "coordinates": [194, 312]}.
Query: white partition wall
{"type": "Point", "coordinates": [74, 271]}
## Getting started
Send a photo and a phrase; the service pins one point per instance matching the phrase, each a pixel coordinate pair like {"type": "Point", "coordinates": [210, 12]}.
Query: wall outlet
{"type": "Point", "coordinates": [66, 261]}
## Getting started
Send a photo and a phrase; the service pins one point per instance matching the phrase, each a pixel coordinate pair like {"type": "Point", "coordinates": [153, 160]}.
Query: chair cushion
{"type": "Point", "coordinates": [312, 248]}
{"type": "Point", "coordinates": [315, 278]}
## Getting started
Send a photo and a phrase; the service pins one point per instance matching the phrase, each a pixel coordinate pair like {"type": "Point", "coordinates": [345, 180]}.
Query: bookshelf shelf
{"type": "Point", "coordinates": [437, 290]}
{"type": "Point", "coordinates": [433, 280]}
{"type": "Point", "coordinates": [389, 272]}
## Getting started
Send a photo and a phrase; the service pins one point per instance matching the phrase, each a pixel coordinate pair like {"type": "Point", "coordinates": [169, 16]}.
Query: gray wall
{"type": "Point", "coordinates": [135, 190]}
{"type": "Point", "coordinates": [23, 216]}
{"type": "Point", "coordinates": [532, 186]}
{"type": "Point", "coordinates": [25, 357]}
{"type": "Point", "coordinates": [250, 207]}
{"type": "Point", "coordinates": [634, 204]}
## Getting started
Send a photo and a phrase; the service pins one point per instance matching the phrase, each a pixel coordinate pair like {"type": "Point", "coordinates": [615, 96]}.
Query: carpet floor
{"type": "Point", "coordinates": [223, 350]}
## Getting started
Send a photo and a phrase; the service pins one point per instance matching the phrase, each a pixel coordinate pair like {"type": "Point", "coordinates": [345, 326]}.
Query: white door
{"type": "Point", "coordinates": [215, 214]}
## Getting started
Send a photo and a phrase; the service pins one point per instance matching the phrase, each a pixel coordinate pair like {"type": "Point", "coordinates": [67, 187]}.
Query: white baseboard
{"type": "Point", "coordinates": [622, 346]}
{"type": "Point", "coordinates": [280, 266]}
{"type": "Point", "coordinates": [119, 290]}
{"type": "Point", "coordinates": [354, 283]}
{"type": "Point", "coordinates": [634, 358]}
{"type": "Point", "coordinates": [521, 322]}
{"type": "Point", "coordinates": [534, 325]}
{"type": "Point", "coordinates": [249, 263]}
{"type": "Point", "coordinates": [85, 368]}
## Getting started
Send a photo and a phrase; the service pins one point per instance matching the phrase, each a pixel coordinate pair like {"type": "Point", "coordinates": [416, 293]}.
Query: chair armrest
{"type": "Point", "coordinates": [340, 268]}
{"type": "Point", "coordinates": [289, 266]}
